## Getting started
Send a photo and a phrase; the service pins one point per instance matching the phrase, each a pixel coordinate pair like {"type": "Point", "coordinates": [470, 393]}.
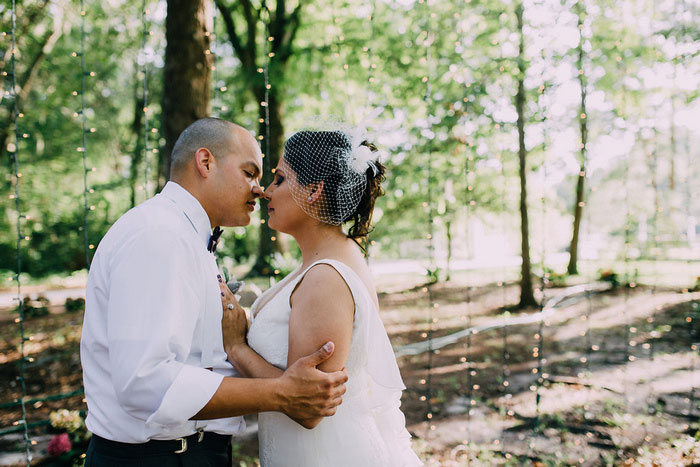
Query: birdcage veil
{"type": "Point", "coordinates": [332, 162]}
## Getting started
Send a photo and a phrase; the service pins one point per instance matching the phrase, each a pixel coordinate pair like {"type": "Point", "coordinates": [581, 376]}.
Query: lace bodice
{"type": "Point", "coordinates": [368, 429]}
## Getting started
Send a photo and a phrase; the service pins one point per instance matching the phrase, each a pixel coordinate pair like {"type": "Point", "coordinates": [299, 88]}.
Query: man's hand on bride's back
{"type": "Point", "coordinates": [309, 394]}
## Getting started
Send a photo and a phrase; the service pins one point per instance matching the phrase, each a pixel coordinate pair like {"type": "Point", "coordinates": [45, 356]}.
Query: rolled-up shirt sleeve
{"type": "Point", "coordinates": [154, 307]}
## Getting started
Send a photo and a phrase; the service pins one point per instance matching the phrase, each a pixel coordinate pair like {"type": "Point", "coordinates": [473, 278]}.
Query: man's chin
{"type": "Point", "coordinates": [242, 221]}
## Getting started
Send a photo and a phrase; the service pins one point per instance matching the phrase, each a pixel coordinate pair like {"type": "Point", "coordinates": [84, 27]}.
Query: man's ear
{"type": "Point", "coordinates": [203, 160]}
{"type": "Point", "coordinates": [316, 192]}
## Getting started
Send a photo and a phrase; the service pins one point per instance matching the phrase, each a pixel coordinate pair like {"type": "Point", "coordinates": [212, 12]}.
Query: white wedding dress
{"type": "Point", "coordinates": [369, 428]}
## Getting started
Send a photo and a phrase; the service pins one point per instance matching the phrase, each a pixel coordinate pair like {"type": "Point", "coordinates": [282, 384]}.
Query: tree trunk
{"type": "Point", "coordinates": [137, 154]}
{"type": "Point", "coordinates": [527, 297]}
{"type": "Point", "coordinates": [572, 268]}
{"type": "Point", "coordinates": [187, 73]}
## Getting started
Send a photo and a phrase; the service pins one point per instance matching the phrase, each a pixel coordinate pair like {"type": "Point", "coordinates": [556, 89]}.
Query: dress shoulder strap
{"type": "Point", "coordinates": [353, 281]}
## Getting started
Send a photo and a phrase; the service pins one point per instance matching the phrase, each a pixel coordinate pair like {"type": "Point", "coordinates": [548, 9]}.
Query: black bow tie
{"type": "Point", "coordinates": [214, 239]}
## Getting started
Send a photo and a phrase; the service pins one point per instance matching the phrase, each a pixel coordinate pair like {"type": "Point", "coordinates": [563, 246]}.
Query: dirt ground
{"type": "Point", "coordinates": [607, 378]}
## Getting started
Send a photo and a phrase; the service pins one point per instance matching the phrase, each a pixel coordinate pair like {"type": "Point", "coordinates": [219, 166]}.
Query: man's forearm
{"type": "Point", "coordinates": [251, 365]}
{"type": "Point", "coordinates": [242, 396]}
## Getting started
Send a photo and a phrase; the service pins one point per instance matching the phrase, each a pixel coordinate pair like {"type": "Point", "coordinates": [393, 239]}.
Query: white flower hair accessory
{"type": "Point", "coordinates": [361, 157]}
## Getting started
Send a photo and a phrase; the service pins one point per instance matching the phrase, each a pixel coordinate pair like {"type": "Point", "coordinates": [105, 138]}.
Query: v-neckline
{"type": "Point", "coordinates": [299, 272]}
{"type": "Point", "coordinates": [281, 285]}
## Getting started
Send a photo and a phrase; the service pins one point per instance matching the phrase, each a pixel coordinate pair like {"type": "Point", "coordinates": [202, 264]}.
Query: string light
{"type": "Point", "coordinates": [689, 205]}
{"type": "Point", "coordinates": [83, 149]}
{"type": "Point", "coordinates": [538, 350]}
{"type": "Point", "coordinates": [628, 283]}
{"type": "Point", "coordinates": [269, 42]}
{"type": "Point", "coordinates": [505, 370]}
{"type": "Point", "coordinates": [145, 33]}
{"type": "Point", "coordinates": [370, 55]}
{"type": "Point", "coordinates": [219, 88]}
{"type": "Point", "coordinates": [431, 246]}
{"type": "Point", "coordinates": [470, 367]}
{"type": "Point", "coordinates": [13, 151]}
{"type": "Point", "coordinates": [369, 94]}
{"type": "Point", "coordinates": [583, 122]}
{"type": "Point", "coordinates": [586, 193]}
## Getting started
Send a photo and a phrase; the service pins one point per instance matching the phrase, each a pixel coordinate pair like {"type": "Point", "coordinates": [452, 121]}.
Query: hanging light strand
{"type": "Point", "coordinates": [468, 358]}
{"type": "Point", "coordinates": [583, 121]}
{"type": "Point", "coordinates": [627, 233]}
{"type": "Point", "coordinates": [269, 40]}
{"type": "Point", "coordinates": [370, 55]}
{"type": "Point", "coordinates": [369, 94]}
{"type": "Point", "coordinates": [145, 33]}
{"type": "Point", "coordinates": [430, 236]}
{"type": "Point", "coordinates": [216, 50]}
{"type": "Point", "coordinates": [83, 117]}
{"type": "Point", "coordinates": [215, 72]}
{"type": "Point", "coordinates": [13, 151]}
{"type": "Point", "coordinates": [538, 350]}
{"type": "Point", "coordinates": [505, 370]}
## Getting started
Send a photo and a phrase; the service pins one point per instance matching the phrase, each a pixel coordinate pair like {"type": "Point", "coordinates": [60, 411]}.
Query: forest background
{"type": "Point", "coordinates": [590, 105]}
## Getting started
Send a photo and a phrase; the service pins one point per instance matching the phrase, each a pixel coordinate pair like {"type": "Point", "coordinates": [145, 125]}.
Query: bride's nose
{"type": "Point", "coordinates": [268, 191]}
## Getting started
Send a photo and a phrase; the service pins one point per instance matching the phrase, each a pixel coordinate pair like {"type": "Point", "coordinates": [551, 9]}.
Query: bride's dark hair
{"type": "Point", "coordinates": [327, 151]}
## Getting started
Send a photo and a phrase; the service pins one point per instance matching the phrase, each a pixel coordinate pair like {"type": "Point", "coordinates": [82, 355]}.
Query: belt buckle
{"type": "Point", "coordinates": [183, 445]}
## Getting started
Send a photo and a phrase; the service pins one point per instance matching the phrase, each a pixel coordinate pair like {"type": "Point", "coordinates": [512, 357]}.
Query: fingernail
{"type": "Point", "coordinates": [327, 347]}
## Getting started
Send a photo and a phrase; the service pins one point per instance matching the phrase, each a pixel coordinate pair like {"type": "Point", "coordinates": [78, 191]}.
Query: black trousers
{"type": "Point", "coordinates": [214, 450]}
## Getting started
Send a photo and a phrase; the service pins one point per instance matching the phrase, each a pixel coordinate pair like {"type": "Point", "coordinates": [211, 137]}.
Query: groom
{"type": "Point", "coordinates": [158, 387]}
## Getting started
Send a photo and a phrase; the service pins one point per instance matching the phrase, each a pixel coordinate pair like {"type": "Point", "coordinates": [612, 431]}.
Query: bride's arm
{"type": "Point", "coordinates": [249, 364]}
{"type": "Point", "coordinates": [322, 310]}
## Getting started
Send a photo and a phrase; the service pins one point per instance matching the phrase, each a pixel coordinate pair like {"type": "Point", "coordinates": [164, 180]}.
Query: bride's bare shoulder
{"type": "Point", "coordinates": [321, 280]}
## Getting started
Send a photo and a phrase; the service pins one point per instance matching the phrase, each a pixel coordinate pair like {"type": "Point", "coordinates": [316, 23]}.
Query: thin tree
{"type": "Point", "coordinates": [527, 297]}
{"type": "Point", "coordinates": [187, 72]}
{"type": "Point", "coordinates": [275, 49]}
{"type": "Point", "coordinates": [572, 268]}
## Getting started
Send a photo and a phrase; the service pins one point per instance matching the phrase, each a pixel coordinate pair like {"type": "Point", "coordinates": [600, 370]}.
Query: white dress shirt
{"type": "Point", "coordinates": [152, 327]}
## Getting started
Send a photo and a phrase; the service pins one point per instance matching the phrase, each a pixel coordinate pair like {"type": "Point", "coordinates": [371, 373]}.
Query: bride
{"type": "Point", "coordinates": [325, 179]}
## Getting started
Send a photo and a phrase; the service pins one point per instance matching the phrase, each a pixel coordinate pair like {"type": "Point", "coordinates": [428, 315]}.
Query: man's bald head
{"type": "Point", "coordinates": [214, 134]}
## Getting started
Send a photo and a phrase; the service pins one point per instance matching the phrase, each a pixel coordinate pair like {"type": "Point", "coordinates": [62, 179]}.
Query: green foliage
{"type": "Point", "coordinates": [34, 308]}
{"type": "Point", "coordinates": [696, 286]}
{"type": "Point", "coordinates": [608, 275]}
{"type": "Point", "coordinates": [75, 304]}
{"type": "Point", "coordinates": [554, 278]}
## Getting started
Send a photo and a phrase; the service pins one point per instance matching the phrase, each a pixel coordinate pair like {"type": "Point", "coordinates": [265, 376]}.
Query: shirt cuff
{"type": "Point", "coordinates": [188, 394]}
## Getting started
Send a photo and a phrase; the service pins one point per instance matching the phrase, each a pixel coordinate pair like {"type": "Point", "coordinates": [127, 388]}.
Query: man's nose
{"type": "Point", "coordinates": [267, 192]}
{"type": "Point", "coordinates": [257, 190]}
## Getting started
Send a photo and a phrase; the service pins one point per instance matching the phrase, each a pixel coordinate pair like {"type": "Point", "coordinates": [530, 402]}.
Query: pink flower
{"type": "Point", "coordinates": [59, 444]}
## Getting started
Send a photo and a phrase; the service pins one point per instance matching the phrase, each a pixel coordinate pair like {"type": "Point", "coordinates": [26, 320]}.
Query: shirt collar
{"type": "Point", "coordinates": [191, 207]}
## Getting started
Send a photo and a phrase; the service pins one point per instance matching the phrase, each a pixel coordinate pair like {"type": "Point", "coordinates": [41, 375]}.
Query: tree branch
{"type": "Point", "coordinates": [244, 52]}
{"type": "Point", "coordinates": [25, 81]}
{"type": "Point", "coordinates": [251, 23]}
{"type": "Point", "coordinates": [292, 27]}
